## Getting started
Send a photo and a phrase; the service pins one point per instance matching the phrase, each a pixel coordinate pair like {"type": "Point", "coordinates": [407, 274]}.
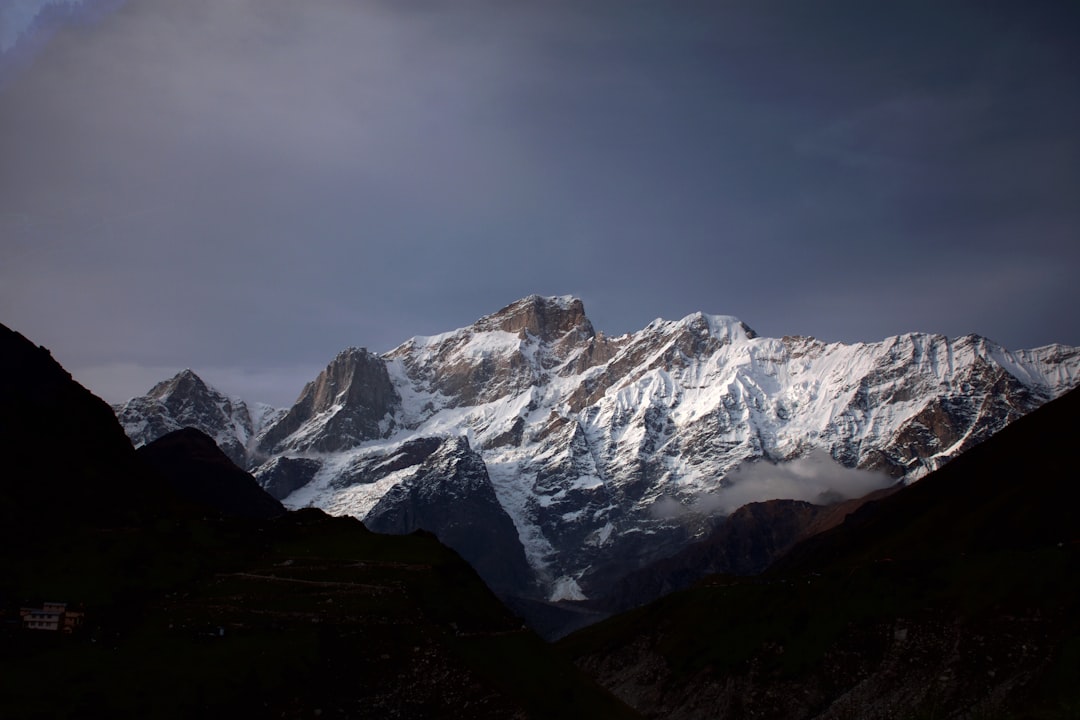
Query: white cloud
{"type": "Point", "coordinates": [814, 478]}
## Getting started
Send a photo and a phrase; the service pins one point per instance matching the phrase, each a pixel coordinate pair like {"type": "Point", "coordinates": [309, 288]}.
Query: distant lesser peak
{"type": "Point", "coordinates": [185, 381]}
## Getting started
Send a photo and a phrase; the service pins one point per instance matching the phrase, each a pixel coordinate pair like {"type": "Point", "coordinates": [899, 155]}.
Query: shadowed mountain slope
{"type": "Point", "coordinates": [196, 614]}
{"type": "Point", "coordinates": [65, 458]}
{"type": "Point", "coordinates": [200, 472]}
{"type": "Point", "coordinates": [954, 597]}
{"type": "Point", "coordinates": [746, 543]}
{"type": "Point", "coordinates": [1019, 492]}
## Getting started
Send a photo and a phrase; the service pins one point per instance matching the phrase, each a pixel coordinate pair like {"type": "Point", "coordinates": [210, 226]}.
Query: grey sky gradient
{"type": "Point", "coordinates": [245, 187]}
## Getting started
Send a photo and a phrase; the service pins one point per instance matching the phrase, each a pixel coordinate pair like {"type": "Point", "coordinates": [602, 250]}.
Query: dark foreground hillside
{"type": "Point", "coordinates": [957, 597]}
{"type": "Point", "coordinates": [194, 607]}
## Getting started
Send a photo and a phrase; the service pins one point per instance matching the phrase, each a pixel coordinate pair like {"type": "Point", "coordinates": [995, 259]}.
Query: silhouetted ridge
{"type": "Point", "coordinates": [745, 543]}
{"type": "Point", "coordinates": [1017, 490]}
{"type": "Point", "coordinates": [201, 473]}
{"type": "Point", "coordinates": [65, 457]}
{"type": "Point", "coordinates": [954, 597]}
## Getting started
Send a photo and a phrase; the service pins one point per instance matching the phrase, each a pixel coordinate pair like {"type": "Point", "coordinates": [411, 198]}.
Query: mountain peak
{"type": "Point", "coordinates": [547, 318]}
{"type": "Point", "coordinates": [721, 327]}
{"type": "Point", "coordinates": [347, 377]}
{"type": "Point", "coordinates": [185, 400]}
{"type": "Point", "coordinates": [352, 354]}
{"type": "Point", "coordinates": [352, 396]}
{"type": "Point", "coordinates": [186, 382]}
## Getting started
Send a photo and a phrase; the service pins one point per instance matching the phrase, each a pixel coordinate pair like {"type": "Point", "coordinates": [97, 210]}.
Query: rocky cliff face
{"type": "Point", "coordinates": [449, 493]}
{"type": "Point", "coordinates": [607, 453]}
{"type": "Point", "coordinates": [351, 401]}
{"type": "Point", "coordinates": [500, 356]}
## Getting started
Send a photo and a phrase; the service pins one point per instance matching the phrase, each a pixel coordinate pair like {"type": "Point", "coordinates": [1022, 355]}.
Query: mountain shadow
{"type": "Point", "coordinates": [745, 543]}
{"type": "Point", "coordinates": [954, 597]}
{"type": "Point", "coordinates": [198, 471]}
{"type": "Point", "coordinates": [192, 612]}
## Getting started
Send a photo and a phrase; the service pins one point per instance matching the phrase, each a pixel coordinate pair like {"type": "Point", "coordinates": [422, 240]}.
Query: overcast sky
{"type": "Point", "coordinates": [245, 187]}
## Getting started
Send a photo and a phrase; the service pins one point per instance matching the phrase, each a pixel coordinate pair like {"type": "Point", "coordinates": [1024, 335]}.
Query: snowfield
{"type": "Point", "coordinates": [608, 452]}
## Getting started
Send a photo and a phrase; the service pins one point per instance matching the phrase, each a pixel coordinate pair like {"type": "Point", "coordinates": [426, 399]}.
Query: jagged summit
{"type": "Point", "coordinates": [547, 318]}
{"type": "Point", "coordinates": [184, 382]}
{"type": "Point", "coordinates": [355, 377]}
{"type": "Point", "coordinates": [706, 331]}
{"type": "Point", "coordinates": [721, 327]}
{"type": "Point", "coordinates": [352, 353]}
{"type": "Point", "coordinates": [185, 400]}
{"type": "Point", "coordinates": [352, 400]}
{"type": "Point", "coordinates": [499, 356]}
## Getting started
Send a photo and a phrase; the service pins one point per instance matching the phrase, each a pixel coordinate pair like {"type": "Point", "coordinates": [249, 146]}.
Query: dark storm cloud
{"type": "Point", "coordinates": [251, 185]}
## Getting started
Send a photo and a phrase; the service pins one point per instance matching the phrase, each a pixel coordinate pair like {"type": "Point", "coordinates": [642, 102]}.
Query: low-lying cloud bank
{"type": "Point", "coordinates": [814, 477]}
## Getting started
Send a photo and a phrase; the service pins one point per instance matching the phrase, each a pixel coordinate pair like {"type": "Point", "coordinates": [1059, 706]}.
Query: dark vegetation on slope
{"type": "Point", "coordinates": [955, 597]}
{"type": "Point", "coordinates": [47, 421]}
{"type": "Point", "coordinates": [196, 610]}
{"type": "Point", "coordinates": [746, 543]}
{"type": "Point", "coordinates": [200, 473]}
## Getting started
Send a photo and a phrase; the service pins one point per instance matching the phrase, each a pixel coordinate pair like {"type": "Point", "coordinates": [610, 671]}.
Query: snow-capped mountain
{"type": "Point", "coordinates": [186, 401]}
{"type": "Point", "coordinates": [605, 453]}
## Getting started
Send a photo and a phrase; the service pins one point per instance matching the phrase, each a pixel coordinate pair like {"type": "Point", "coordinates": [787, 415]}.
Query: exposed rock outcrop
{"type": "Point", "coordinates": [351, 401]}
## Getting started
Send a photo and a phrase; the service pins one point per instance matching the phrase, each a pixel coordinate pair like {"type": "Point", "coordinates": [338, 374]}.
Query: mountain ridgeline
{"type": "Point", "coordinates": [559, 460]}
{"type": "Point", "coordinates": [955, 597]}
{"type": "Point", "coordinates": [202, 597]}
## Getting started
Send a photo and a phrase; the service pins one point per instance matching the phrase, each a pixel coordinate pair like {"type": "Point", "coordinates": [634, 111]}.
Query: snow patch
{"type": "Point", "coordinates": [515, 497]}
{"type": "Point", "coordinates": [566, 588]}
